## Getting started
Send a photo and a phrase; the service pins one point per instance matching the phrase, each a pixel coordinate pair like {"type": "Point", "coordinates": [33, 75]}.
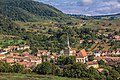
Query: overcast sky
{"type": "Point", "coordinates": [86, 7]}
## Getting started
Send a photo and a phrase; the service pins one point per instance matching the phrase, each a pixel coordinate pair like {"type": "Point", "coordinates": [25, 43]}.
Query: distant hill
{"type": "Point", "coordinates": [103, 17]}
{"type": "Point", "coordinates": [108, 17]}
{"type": "Point", "coordinates": [28, 10]}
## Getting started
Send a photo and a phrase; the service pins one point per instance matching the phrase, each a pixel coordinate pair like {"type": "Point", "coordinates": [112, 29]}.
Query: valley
{"type": "Point", "coordinates": [40, 42]}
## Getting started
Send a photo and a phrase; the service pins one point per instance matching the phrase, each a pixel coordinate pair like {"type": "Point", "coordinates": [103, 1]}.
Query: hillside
{"type": "Point", "coordinates": [7, 26]}
{"type": "Point", "coordinates": [28, 10]}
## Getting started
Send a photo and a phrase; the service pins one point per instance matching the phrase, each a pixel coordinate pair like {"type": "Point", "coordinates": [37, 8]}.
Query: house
{"type": "Point", "coordinates": [27, 64]}
{"type": "Point", "coordinates": [42, 53]}
{"type": "Point", "coordinates": [72, 52]}
{"type": "Point", "coordinates": [61, 52]}
{"type": "Point", "coordinates": [105, 35]}
{"type": "Point", "coordinates": [93, 64]}
{"type": "Point", "coordinates": [8, 60]}
{"type": "Point", "coordinates": [14, 48]}
{"type": "Point", "coordinates": [14, 54]}
{"type": "Point", "coordinates": [2, 56]}
{"type": "Point", "coordinates": [3, 51]}
{"type": "Point", "coordinates": [26, 47]}
{"type": "Point", "coordinates": [25, 54]}
{"type": "Point", "coordinates": [7, 49]}
{"type": "Point", "coordinates": [97, 53]}
{"type": "Point", "coordinates": [33, 59]}
{"type": "Point", "coordinates": [109, 60]}
{"type": "Point", "coordinates": [117, 52]}
{"type": "Point", "coordinates": [90, 41]}
{"type": "Point", "coordinates": [82, 56]}
{"type": "Point", "coordinates": [97, 41]}
{"type": "Point", "coordinates": [18, 58]}
{"type": "Point", "coordinates": [81, 41]}
{"type": "Point", "coordinates": [89, 53]}
{"type": "Point", "coordinates": [23, 47]}
{"type": "Point", "coordinates": [105, 53]}
{"type": "Point", "coordinates": [100, 70]}
{"type": "Point", "coordinates": [117, 38]}
{"type": "Point", "coordinates": [118, 49]}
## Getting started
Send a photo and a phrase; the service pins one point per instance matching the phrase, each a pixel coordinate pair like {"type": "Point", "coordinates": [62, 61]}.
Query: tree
{"type": "Point", "coordinates": [69, 60]}
{"type": "Point", "coordinates": [44, 68]}
{"type": "Point", "coordinates": [92, 72]}
{"type": "Point", "coordinates": [76, 70]}
{"type": "Point", "coordinates": [114, 74]}
{"type": "Point", "coordinates": [17, 68]}
{"type": "Point", "coordinates": [101, 62]}
{"type": "Point", "coordinates": [60, 60]}
{"type": "Point", "coordinates": [90, 57]}
{"type": "Point", "coordinates": [105, 72]}
{"type": "Point", "coordinates": [117, 68]}
{"type": "Point", "coordinates": [56, 70]}
{"type": "Point", "coordinates": [5, 67]}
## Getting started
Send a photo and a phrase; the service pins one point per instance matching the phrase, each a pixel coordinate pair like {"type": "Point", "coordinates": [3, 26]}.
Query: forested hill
{"type": "Point", "coordinates": [7, 27]}
{"type": "Point", "coordinates": [27, 10]}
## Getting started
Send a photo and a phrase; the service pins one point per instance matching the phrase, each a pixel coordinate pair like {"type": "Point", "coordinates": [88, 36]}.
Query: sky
{"type": "Point", "coordinates": [86, 7]}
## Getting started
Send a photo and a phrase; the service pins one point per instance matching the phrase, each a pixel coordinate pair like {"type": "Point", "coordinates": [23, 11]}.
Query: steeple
{"type": "Point", "coordinates": [68, 42]}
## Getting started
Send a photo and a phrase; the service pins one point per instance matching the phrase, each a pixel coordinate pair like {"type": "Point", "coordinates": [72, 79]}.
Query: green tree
{"type": "Point", "coordinates": [90, 57]}
{"type": "Point", "coordinates": [76, 70]}
{"type": "Point", "coordinates": [92, 72]}
{"type": "Point", "coordinates": [101, 62]}
{"type": "Point", "coordinates": [69, 60]}
{"type": "Point", "coordinates": [114, 74]}
{"type": "Point", "coordinates": [44, 68]}
{"type": "Point", "coordinates": [5, 67]}
{"type": "Point", "coordinates": [60, 60]}
{"type": "Point", "coordinates": [117, 68]}
{"type": "Point", "coordinates": [56, 70]}
{"type": "Point", "coordinates": [17, 68]}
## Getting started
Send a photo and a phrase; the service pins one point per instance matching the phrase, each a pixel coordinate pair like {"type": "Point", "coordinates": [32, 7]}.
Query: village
{"type": "Point", "coordinates": [30, 61]}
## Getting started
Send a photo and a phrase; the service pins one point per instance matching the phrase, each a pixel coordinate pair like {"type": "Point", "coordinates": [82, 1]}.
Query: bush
{"type": "Point", "coordinates": [56, 70]}
{"type": "Point", "coordinates": [27, 71]}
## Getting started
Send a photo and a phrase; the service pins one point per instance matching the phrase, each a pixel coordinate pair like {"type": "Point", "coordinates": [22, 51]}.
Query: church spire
{"type": "Point", "coordinates": [68, 42]}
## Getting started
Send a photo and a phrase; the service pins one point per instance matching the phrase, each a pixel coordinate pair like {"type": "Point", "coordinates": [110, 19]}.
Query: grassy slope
{"type": "Point", "coordinates": [15, 76]}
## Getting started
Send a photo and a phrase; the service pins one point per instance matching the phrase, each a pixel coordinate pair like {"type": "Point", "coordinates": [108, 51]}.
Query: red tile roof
{"type": "Point", "coordinates": [41, 51]}
{"type": "Point", "coordinates": [81, 41]}
{"type": "Point", "coordinates": [25, 53]}
{"type": "Point", "coordinates": [27, 64]}
{"type": "Point", "coordinates": [82, 53]}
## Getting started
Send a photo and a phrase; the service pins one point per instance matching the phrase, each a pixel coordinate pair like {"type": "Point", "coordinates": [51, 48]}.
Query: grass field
{"type": "Point", "coordinates": [105, 47]}
{"type": "Point", "coordinates": [11, 42]}
{"type": "Point", "coordinates": [15, 76]}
